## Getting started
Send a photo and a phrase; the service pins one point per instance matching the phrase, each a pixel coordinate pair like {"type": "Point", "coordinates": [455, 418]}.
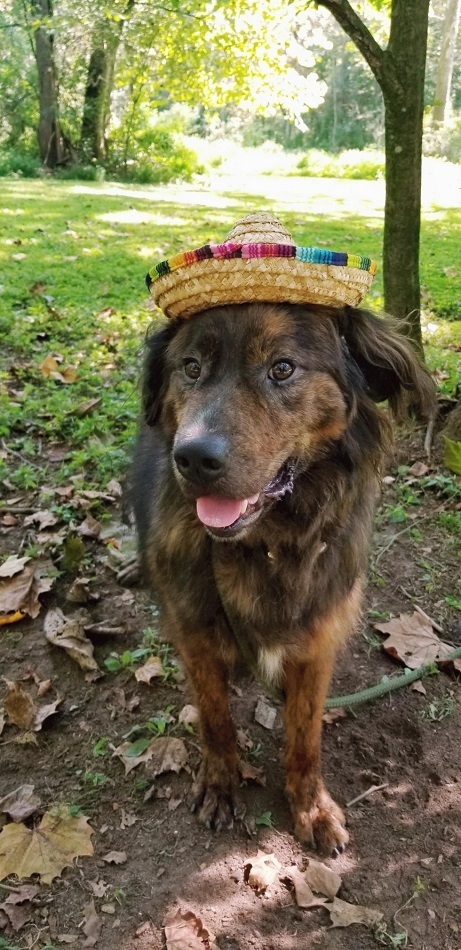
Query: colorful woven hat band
{"type": "Point", "coordinates": [258, 262]}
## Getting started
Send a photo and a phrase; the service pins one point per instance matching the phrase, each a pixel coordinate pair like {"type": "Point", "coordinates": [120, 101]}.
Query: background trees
{"type": "Point", "coordinates": [100, 87]}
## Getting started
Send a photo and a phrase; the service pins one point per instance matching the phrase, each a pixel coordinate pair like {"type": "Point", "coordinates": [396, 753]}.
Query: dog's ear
{"type": "Point", "coordinates": [388, 363]}
{"type": "Point", "coordinates": [153, 386]}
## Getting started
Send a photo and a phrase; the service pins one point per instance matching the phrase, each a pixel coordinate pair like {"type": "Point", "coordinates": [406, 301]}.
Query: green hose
{"type": "Point", "coordinates": [388, 685]}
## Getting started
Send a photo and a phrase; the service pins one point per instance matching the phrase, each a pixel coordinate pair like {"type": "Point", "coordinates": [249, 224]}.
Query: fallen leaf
{"type": "Point", "coordinates": [127, 820]}
{"type": "Point", "coordinates": [13, 565]}
{"type": "Point", "coordinates": [19, 705]}
{"type": "Point", "coordinates": [189, 716]}
{"type": "Point", "coordinates": [412, 640]}
{"type": "Point", "coordinates": [322, 879]}
{"type": "Point", "coordinates": [18, 914]}
{"type": "Point", "coordinates": [186, 932]}
{"type": "Point", "coordinates": [43, 712]}
{"type": "Point", "coordinates": [249, 773]}
{"type": "Point", "coordinates": [115, 857]}
{"type": "Point", "coordinates": [44, 519]}
{"type": "Point", "coordinates": [259, 872]}
{"type": "Point", "coordinates": [79, 592]}
{"type": "Point", "coordinates": [344, 914]}
{"type": "Point", "coordinates": [265, 714]}
{"type": "Point", "coordinates": [92, 925]}
{"type": "Point", "coordinates": [304, 895]}
{"type": "Point", "coordinates": [333, 715]}
{"type": "Point", "coordinates": [21, 592]}
{"type": "Point", "coordinates": [51, 369]}
{"type": "Point", "coordinates": [47, 849]}
{"type": "Point", "coordinates": [90, 528]}
{"type": "Point", "coordinates": [163, 754]}
{"type": "Point", "coordinates": [21, 803]}
{"type": "Point", "coordinates": [68, 633]}
{"type": "Point", "coordinates": [99, 888]}
{"type": "Point", "coordinates": [115, 488]}
{"type": "Point", "coordinates": [9, 521]}
{"type": "Point", "coordinates": [151, 669]}
{"type": "Point", "coordinates": [418, 469]}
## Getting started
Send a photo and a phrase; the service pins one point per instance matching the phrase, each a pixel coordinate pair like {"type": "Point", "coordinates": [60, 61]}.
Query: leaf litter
{"type": "Point", "coordinates": [22, 711]}
{"type": "Point", "coordinates": [46, 850]}
{"type": "Point", "coordinates": [412, 640]}
{"type": "Point", "coordinates": [185, 931]}
{"type": "Point", "coordinates": [69, 634]}
{"type": "Point", "coordinates": [20, 590]}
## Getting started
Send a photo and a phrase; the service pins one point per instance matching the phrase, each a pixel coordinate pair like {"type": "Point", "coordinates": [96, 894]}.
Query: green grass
{"type": "Point", "coordinates": [73, 257]}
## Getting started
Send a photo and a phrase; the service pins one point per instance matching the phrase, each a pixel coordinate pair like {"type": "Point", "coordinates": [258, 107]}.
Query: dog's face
{"type": "Point", "coordinates": [247, 395]}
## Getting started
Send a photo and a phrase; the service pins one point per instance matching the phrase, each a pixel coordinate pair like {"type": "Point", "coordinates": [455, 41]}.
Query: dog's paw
{"type": "Point", "coordinates": [214, 797]}
{"type": "Point", "coordinates": [322, 825]}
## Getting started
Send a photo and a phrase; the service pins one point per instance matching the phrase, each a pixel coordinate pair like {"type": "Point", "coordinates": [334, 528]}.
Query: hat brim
{"type": "Point", "coordinates": [213, 283]}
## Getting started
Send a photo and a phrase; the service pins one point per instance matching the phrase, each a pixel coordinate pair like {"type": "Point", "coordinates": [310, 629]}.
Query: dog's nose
{"type": "Point", "coordinates": [201, 459]}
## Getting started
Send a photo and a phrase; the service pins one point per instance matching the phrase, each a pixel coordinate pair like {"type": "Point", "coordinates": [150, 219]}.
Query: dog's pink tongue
{"type": "Point", "coordinates": [218, 512]}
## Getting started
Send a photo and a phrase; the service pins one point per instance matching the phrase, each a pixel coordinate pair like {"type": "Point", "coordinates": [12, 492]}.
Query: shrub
{"type": "Point", "coordinates": [353, 163]}
{"type": "Point", "coordinates": [20, 164]}
{"type": "Point", "coordinates": [443, 142]}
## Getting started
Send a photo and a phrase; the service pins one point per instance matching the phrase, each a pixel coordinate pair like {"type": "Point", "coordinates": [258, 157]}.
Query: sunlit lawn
{"type": "Point", "coordinates": [73, 257]}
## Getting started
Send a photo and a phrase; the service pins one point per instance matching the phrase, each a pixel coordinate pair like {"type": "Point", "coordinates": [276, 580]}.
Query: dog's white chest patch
{"type": "Point", "coordinates": [270, 662]}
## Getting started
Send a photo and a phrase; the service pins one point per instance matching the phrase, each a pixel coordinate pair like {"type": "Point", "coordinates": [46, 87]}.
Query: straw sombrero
{"type": "Point", "coordinates": [258, 262]}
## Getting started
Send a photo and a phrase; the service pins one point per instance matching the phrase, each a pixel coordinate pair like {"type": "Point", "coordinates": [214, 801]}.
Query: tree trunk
{"type": "Point", "coordinates": [96, 107]}
{"type": "Point", "coordinates": [100, 81]}
{"type": "Point", "coordinates": [403, 138]}
{"type": "Point", "coordinates": [48, 132]}
{"type": "Point", "coordinates": [399, 70]}
{"type": "Point", "coordinates": [441, 110]}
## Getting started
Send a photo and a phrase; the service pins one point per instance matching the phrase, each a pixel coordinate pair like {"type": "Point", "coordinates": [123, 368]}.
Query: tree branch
{"type": "Point", "coordinates": [376, 57]}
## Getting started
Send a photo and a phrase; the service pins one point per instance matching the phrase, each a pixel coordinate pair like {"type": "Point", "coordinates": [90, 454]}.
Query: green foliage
{"type": "Point", "coordinates": [452, 456]}
{"type": "Point", "coordinates": [19, 164]}
{"type": "Point", "coordinates": [353, 163]}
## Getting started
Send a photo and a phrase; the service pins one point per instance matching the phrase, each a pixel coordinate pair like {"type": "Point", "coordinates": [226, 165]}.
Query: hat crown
{"type": "Point", "coordinates": [259, 228]}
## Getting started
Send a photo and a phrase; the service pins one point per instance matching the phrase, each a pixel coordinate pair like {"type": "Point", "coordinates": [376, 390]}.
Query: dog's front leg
{"type": "Point", "coordinates": [318, 820]}
{"type": "Point", "coordinates": [214, 792]}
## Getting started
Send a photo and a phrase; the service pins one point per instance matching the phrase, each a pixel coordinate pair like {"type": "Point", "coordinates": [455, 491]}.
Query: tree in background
{"type": "Point", "coordinates": [399, 70]}
{"type": "Point", "coordinates": [49, 134]}
{"type": "Point", "coordinates": [442, 93]}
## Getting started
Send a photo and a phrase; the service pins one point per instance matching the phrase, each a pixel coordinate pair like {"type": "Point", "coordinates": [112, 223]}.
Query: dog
{"type": "Point", "coordinates": [254, 484]}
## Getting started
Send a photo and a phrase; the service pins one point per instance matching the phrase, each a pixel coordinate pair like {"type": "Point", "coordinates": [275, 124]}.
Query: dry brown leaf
{"type": "Point", "coordinates": [249, 773]}
{"type": "Point", "coordinates": [418, 687]}
{"type": "Point", "coordinates": [51, 369]}
{"type": "Point", "coordinates": [43, 519]}
{"type": "Point", "coordinates": [80, 593]}
{"type": "Point", "coordinates": [19, 705]}
{"type": "Point", "coordinates": [126, 819]}
{"type": "Point", "coordinates": [115, 488]}
{"type": "Point", "coordinates": [13, 565]}
{"type": "Point", "coordinates": [21, 591]}
{"type": "Point", "coordinates": [43, 712]}
{"type": "Point", "coordinates": [69, 633]}
{"type": "Point", "coordinates": [18, 914]}
{"type": "Point", "coordinates": [150, 670]}
{"type": "Point", "coordinates": [99, 887]}
{"type": "Point", "coordinates": [322, 879]}
{"type": "Point", "coordinates": [344, 914]}
{"type": "Point", "coordinates": [47, 849]}
{"type": "Point", "coordinates": [412, 640]}
{"type": "Point", "coordinates": [333, 715]}
{"type": "Point", "coordinates": [90, 528]}
{"type": "Point", "coordinates": [21, 803]}
{"type": "Point", "coordinates": [163, 754]}
{"type": "Point", "coordinates": [265, 714]}
{"type": "Point", "coordinates": [92, 925]}
{"type": "Point", "coordinates": [115, 857]}
{"type": "Point", "coordinates": [166, 755]}
{"type": "Point", "coordinates": [304, 895]}
{"type": "Point", "coordinates": [186, 932]}
{"type": "Point", "coordinates": [260, 871]}
{"type": "Point", "coordinates": [189, 716]}
{"type": "Point", "coordinates": [418, 469]}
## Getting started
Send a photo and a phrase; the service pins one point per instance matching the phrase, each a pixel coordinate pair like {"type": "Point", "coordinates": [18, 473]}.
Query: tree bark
{"type": "Point", "coordinates": [100, 81]}
{"type": "Point", "coordinates": [96, 107]}
{"type": "Point", "coordinates": [403, 138]}
{"type": "Point", "coordinates": [441, 110]}
{"type": "Point", "coordinates": [399, 70]}
{"type": "Point", "coordinates": [48, 132]}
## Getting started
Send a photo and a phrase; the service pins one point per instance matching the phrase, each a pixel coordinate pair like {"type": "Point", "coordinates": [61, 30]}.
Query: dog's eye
{"type": "Point", "coordinates": [281, 370]}
{"type": "Point", "coordinates": [192, 369]}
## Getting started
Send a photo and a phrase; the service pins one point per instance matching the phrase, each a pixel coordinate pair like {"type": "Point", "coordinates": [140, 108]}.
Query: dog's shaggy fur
{"type": "Point", "coordinates": [274, 404]}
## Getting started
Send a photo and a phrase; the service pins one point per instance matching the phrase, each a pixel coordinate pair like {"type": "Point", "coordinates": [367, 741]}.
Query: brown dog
{"type": "Point", "coordinates": [254, 486]}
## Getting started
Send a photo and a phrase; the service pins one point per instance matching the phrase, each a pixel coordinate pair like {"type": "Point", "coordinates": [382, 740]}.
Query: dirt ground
{"type": "Point", "coordinates": [404, 857]}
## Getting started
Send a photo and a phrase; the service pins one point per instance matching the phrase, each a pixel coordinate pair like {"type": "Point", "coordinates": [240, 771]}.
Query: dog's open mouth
{"type": "Point", "coordinates": [225, 517]}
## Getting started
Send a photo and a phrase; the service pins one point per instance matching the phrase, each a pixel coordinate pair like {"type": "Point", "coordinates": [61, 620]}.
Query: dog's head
{"type": "Point", "coordinates": [249, 395]}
